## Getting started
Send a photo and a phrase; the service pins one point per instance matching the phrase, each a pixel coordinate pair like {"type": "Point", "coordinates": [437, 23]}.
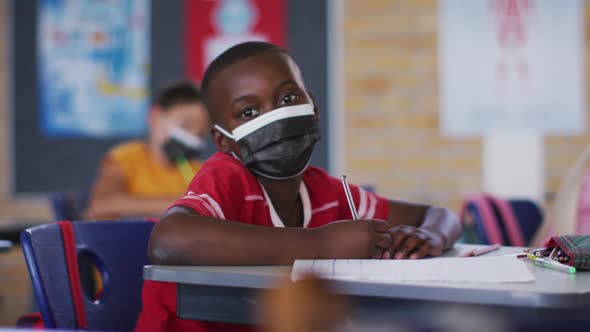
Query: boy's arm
{"type": "Point", "coordinates": [110, 199]}
{"type": "Point", "coordinates": [421, 230]}
{"type": "Point", "coordinates": [183, 237]}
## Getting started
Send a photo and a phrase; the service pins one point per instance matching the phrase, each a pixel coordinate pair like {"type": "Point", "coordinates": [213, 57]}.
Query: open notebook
{"type": "Point", "coordinates": [477, 269]}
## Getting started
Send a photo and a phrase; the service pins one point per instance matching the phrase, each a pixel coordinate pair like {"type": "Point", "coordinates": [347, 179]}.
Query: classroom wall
{"type": "Point", "coordinates": [305, 26]}
{"type": "Point", "coordinates": [15, 291]}
{"type": "Point", "coordinates": [390, 106]}
{"type": "Point", "coordinates": [391, 109]}
{"type": "Point", "coordinates": [12, 209]}
{"type": "Point", "coordinates": [562, 152]}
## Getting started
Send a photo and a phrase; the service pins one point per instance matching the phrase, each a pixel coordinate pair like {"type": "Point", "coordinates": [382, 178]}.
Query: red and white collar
{"type": "Point", "coordinates": [304, 194]}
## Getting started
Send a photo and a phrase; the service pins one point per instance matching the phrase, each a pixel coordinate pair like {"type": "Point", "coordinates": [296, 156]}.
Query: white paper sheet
{"type": "Point", "coordinates": [476, 269]}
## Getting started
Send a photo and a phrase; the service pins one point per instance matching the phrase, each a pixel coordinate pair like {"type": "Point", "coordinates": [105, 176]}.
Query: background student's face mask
{"type": "Point", "coordinates": [278, 144]}
{"type": "Point", "coordinates": [183, 145]}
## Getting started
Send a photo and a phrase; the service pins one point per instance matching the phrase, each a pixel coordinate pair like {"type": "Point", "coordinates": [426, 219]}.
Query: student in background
{"type": "Point", "coordinates": [142, 178]}
{"type": "Point", "coordinates": [257, 202]}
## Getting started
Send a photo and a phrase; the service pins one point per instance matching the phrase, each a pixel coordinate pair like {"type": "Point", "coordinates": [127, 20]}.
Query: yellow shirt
{"type": "Point", "coordinates": [144, 176]}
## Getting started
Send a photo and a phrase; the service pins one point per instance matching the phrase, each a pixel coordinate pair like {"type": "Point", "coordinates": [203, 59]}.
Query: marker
{"type": "Point", "coordinates": [519, 256]}
{"type": "Point", "coordinates": [349, 198]}
{"type": "Point", "coordinates": [552, 255]}
{"type": "Point", "coordinates": [473, 253]}
{"type": "Point", "coordinates": [185, 169]}
{"type": "Point", "coordinates": [533, 250]}
{"type": "Point", "coordinates": [544, 262]}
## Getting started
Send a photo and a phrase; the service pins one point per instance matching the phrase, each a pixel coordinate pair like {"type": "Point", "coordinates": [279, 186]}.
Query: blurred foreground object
{"type": "Point", "coordinates": [309, 304]}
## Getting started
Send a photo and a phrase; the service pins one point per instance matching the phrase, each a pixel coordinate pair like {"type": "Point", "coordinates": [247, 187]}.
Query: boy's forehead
{"type": "Point", "coordinates": [254, 75]}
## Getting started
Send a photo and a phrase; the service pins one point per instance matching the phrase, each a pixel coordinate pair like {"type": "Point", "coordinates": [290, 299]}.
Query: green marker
{"type": "Point", "coordinates": [548, 263]}
{"type": "Point", "coordinates": [185, 168]}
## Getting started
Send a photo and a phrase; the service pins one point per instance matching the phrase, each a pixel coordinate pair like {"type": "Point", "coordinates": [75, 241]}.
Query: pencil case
{"type": "Point", "coordinates": [576, 247]}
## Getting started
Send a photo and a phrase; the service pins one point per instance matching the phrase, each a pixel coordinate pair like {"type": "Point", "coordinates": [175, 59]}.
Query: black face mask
{"type": "Point", "coordinates": [183, 145]}
{"type": "Point", "coordinates": [278, 145]}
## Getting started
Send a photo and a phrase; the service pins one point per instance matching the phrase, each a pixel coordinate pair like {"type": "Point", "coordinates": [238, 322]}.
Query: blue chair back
{"type": "Point", "coordinates": [69, 205]}
{"type": "Point", "coordinates": [119, 249]}
{"type": "Point", "coordinates": [529, 216]}
{"type": "Point", "coordinates": [477, 226]}
{"type": "Point", "coordinates": [489, 224]}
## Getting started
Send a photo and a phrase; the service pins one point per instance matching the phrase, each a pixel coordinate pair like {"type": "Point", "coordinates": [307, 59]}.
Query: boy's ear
{"type": "Point", "coordinates": [315, 106]}
{"type": "Point", "coordinates": [220, 141]}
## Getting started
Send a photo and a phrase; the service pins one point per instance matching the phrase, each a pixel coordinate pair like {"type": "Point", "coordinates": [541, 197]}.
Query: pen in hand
{"type": "Point", "coordinates": [349, 198]}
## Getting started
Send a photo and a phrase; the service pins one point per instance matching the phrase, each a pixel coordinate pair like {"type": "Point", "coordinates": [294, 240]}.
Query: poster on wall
{"type": "Point", "coordinates": [93, 67]}
{"type": "Point", "coordinates": [511, 67]}
{"type": "Point", "coordinates": [213, 26]}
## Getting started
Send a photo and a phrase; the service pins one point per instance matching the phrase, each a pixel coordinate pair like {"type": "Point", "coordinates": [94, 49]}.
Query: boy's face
{"type": "Point", "coordinates": [192, 117]}
{"type": "Point", "coordinates": [251, 87]}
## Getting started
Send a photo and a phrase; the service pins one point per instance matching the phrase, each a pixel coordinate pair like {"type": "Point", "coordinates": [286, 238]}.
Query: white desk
{"type": "Point", "coordinates": [222, 293]}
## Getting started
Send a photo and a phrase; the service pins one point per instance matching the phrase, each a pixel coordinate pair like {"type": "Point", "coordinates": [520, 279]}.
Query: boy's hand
{"type": "Point", "coordinates": [413, 242]}
{"type": "Point", "coordinates": [354, 239]}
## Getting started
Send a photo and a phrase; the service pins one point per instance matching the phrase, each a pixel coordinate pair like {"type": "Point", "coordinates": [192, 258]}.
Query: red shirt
{"type": "Point", "coordinates": [224, 188]}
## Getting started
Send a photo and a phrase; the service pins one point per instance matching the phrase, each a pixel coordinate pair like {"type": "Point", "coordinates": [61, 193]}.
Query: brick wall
{"type": "Point", "coordinates": [391, 104]}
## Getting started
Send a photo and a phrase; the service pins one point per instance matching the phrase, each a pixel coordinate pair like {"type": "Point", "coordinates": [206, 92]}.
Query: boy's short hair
{"type": "Point", "coordinates": [184, 92]}
{"type": "Point", "coordinates": [232, 55]}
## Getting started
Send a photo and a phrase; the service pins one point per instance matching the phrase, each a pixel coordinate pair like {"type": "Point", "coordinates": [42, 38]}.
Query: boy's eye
{"type": "Point", "coordinates": [288, 99]}
{"type": "Point", "coordinates": [249, 113]}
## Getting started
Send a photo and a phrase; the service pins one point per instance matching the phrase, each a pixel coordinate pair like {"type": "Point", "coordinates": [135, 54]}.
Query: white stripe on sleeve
{"type": "Point", "coordinates": [372, 205]}
{"type": "Point", "coordinates": [192, 196]}
{"type": "Point", "coordinates": [362, 207]}
{"type": "Point", "coordinates": [215, 205]}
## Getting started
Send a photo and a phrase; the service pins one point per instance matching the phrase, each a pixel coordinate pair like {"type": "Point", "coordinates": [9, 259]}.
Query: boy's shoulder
{"type": "Point", "coordinates": [129, 149]}
{"type": "Point", "coordinates": [316, 172]}
{"type": "Point", "coordinates": [319, 177]}
{"type": "Point", "coordinates": [224, 168]}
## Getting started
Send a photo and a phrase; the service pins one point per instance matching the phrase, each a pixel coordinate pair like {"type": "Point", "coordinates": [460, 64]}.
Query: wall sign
{"type": "Point", "coordinates": [216, 25]}
{"type": "Point", "coordinates": [511, 66]}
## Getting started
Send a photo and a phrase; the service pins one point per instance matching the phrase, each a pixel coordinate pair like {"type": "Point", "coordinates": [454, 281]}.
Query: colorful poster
{"type": "Point", "coordinates": [93, 67]}
{"type": "Point", "coordinates": [213, 26]}
{"type": "Point", "coordinates": [512, 67]}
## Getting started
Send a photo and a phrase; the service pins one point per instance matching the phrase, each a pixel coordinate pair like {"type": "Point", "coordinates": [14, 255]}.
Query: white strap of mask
{"type": "Point", "coordinates": [263, 120]}
{"type": "Point", "coordinates": [186, 138]}
{"type": "Point", "coordinates": [223, 131]}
